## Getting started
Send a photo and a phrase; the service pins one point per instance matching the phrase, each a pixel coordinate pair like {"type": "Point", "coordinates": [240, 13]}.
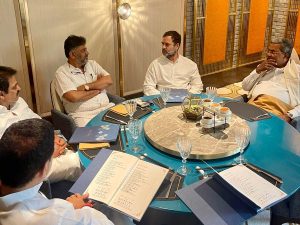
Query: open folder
{"type": "Point", "coordinates": [230, 197]}
{"type": "Point", "coordinates": [122, 181]}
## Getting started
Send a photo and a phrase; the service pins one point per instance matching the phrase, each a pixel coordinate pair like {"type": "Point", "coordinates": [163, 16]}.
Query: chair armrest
{"type": "Point", "coordinates": [115, 98]}
{"type": "Point", "coordinates": [63, 122]}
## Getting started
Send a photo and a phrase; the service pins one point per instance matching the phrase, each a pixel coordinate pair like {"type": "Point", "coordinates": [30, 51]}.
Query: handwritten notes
{"type": "Point", "coordinates": [254, 187]}
{"type": "Point", "coordinates": [126, 183]}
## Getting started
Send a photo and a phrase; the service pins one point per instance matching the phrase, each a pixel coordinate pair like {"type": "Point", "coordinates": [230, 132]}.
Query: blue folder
{"type": "Point", "coordinates": [103, 133]}
{"type": "Point", "coordinates": [214, 201]}
{"type": "Point", "coordinates": [177, 95]}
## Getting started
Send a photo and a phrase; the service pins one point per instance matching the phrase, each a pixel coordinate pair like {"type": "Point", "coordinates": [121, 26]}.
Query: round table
{"type": "Point", "coordinates": [274, 146]}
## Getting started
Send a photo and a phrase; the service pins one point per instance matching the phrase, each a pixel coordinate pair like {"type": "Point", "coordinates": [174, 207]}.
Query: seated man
{"type": "Point", "coordinates": [172, 70]}
{"type": "Point", "coordinates": [26, 148]}
{"type": "Point", "coordinates": [66, 164]}
{"type": "Point", "coordinates": [81, 83]}
{"type": "Point", "coordinates": [275, 84]}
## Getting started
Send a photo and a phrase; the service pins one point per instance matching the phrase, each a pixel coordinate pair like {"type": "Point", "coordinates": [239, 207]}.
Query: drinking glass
{"type": "Point", "coordinates": [165, 93]}
{"type": "Point", "coordinates": [184, 147]}
{"type": "Point", "coordinates": [242, 135]}
{"type": "Point", "coordinates": [211, 93]}
{"type": "Point", "coordinates": [130, 106]}
{"type": "Point", "coordinates": [135, 129]}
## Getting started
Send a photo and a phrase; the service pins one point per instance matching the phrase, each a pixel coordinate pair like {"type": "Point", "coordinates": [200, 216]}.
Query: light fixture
{"type": "Point", "coordinates": [124, 11]}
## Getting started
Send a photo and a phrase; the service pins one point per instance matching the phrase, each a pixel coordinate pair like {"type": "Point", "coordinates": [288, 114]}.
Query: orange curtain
{"type": "Point", "coordinates": [215, 34]}
{"type": "Point", "coordinates": [297, 38]}
{"type": "Point", "coordinates": [257, 26]}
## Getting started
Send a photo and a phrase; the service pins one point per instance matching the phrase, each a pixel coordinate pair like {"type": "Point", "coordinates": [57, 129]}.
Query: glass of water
{"type": "Point", "coordinates": [165, 93]}
{"type": "Point", "coordinates": [130, 106]}
{"type": "Point", "coordinates": [135, 129]}
{"type": "Point", "coordinates": [211, 93]}
{"type": "Point", "coordinates": [184, 147]}
{"type": "Point", "coordinates": [242, 135]}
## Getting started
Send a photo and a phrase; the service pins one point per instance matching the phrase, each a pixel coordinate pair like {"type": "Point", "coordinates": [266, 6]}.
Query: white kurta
{"type": "Point", "coordinates": [30, 207]}
{"type": "Point", "coordinates": [64, 167]}
{"type": "Point", "coordinates": [182, 74]}
{"type": "Point", "coordinates": [68, 78]}
{"type": "Point", "coordinates": [272, 84]}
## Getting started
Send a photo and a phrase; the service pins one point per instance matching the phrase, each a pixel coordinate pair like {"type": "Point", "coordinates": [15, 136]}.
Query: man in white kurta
{"type": "Point", "coordinates": [66, 164]}
{"type": "Point", "coordinates": [279, 77]}
{"type": "Point", "coordinates": [81, 83]}
{"type": "Point", "coordinates": [172, 70]}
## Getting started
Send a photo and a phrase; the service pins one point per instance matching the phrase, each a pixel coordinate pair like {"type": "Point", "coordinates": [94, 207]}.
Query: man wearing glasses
{"type": "Point", "coordinates": [275, 84]}
{"type": "Point", "coordinates": [172, 70]}
{"type": "Point", "coordinates": [81, 82]}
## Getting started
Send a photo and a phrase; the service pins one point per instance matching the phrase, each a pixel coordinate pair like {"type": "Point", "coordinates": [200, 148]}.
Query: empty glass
{"type": "Point", "coordinates": [211, 93]}
{"type": "Point", "coordinates": [184, 146]}
{"type": "Point", "coordinates": [135, 129]}
{"type": "Point", "coordinates": [130, 106]}
{"type": "Point", "coordinates": [242, 135]}
{"type": "Point", "coordinates": [165, 93]}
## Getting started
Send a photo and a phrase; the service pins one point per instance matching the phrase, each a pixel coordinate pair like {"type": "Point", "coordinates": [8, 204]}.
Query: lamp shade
{"type": "Point", "coordinates": [124, 11]}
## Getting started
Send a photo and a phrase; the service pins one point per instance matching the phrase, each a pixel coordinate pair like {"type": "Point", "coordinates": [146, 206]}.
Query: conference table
{"type": "Point", "coordinates": [274, 146]}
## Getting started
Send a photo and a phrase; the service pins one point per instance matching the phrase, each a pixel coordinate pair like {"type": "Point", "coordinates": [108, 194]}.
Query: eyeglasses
{"type": "Point", "coordinates": [273, 52]}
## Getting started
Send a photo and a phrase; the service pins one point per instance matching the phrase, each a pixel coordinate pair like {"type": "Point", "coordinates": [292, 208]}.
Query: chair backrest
{"type": "Point", "coordinates": [55, 99]}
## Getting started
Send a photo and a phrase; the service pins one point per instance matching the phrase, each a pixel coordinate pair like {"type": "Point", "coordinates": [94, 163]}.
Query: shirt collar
{"type": "Point", "coordinates": [170, 61]}
{"type": "Point", "coordinates": [74, 70]}
{"type": "Point", "coordinates": [11, 199]}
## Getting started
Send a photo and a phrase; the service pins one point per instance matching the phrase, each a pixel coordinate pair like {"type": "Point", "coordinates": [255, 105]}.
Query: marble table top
{"type": "Point", "coordinates": [162, 129]}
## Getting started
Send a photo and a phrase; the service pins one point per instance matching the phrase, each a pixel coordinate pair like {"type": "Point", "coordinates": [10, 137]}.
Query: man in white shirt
{"type": "Point", "coordinates": [172, 70]}
{"type": "Point", "coordinates": [22, 171]}
{"type": "Point", "coordinates": [66, 164]}
{"type": "Point", "coordinates": [275, 84]}
{"type": "Point", "coordinates": [81, 83]}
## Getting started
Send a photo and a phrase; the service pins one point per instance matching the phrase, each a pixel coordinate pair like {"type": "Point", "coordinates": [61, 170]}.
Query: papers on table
{"type": "Point", "coordinates": [121, 181]}
{"type": "Point", "coordinates": [230, 197]}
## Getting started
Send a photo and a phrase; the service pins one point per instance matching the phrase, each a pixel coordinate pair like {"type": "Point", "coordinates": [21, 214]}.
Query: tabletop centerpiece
{"type": "Point", "coordinates": [191, 107]}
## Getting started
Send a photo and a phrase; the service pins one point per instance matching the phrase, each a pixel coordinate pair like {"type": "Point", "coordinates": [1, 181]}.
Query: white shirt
{"type": "Point", "coordinates": [273, 84]}
{"type": "Point", "coordinates": [64, 167]}
{"type": "Point", "coordinates": [68, 78]}
{"type": "Point", "coordinates": [181, 74]}
{"type": "Point", "coordinates": [30, 207]}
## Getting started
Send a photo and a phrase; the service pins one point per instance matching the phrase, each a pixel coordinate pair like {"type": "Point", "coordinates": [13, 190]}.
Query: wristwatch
{"type": "Point", "coordinates": [86, 87]}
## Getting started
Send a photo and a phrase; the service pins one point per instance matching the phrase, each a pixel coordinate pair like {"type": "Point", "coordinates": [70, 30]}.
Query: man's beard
{"type": "Point", "coordinates": [169, 54]}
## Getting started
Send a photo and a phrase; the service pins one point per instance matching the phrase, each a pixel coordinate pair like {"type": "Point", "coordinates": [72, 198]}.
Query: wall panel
{"type": "Point", "coordinates": [50, 22]}
{"type": "Point", "coordinates": [12, 51]}
{"type": "Point", "coordinates": [141, 36]}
